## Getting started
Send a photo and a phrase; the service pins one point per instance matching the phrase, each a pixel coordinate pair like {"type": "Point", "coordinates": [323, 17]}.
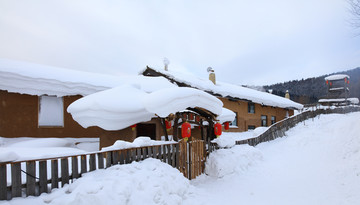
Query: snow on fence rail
{"type": "Point", "coordinates": [278, 129]}
{"type": "Point", "coordinates": [33, 177]}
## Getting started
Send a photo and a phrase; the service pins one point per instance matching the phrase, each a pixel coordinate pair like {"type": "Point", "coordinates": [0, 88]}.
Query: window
{"type": "Point", "coordinates": [273, 120]}
{"type": "Point", "coordinates": [251, 127]}
{"type": "Point", "coordinates": [251, 108]}
{"type": "Point", "coordinates": [263, 120]}
{"type": "Point", "coordinates": [234, 123]}
{"type": "Point", "coordinates": [51, 111]}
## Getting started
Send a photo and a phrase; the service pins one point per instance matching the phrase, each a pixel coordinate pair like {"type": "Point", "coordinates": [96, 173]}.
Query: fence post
{"type": "Point", "coordinates": [3, 182]}
{"type": "Point", "coordinates": [43, 176]}
{"type": "Point", "coordinates": [16, 179]}
{"type": "Point", "coordinates": [30, 178]}
{"type": "Point", "coordinates": [54, 174]}
{"type": "Point", "coordinates": [64, 171]}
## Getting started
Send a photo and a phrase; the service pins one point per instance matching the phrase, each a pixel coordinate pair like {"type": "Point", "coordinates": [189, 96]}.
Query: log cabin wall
{"type": "Point", "coordinates": [246, 119]}
{"type": "Point", "coordinates": [19, 118]}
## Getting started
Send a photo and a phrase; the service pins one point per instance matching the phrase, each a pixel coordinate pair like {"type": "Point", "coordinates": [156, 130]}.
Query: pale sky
{"type": "Point", "coordinates": [245, 41]}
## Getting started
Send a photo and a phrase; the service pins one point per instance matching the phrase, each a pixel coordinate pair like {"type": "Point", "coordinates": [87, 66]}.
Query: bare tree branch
{"type": "Point", "coordinates": [355, 11]}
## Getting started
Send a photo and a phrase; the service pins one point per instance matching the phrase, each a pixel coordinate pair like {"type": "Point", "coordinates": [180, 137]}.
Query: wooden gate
{"type": "Point", "coordinates": [192, 158]}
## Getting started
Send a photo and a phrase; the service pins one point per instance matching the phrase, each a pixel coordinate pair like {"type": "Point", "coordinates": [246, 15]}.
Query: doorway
{"type": "Point", "coordinates": [146, 130]}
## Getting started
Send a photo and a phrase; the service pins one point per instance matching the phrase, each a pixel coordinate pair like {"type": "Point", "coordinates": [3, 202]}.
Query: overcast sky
{"type": "Point", "coordinates": [245, 41]}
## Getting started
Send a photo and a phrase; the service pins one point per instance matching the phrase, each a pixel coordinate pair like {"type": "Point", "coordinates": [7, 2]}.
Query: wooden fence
{"type": "Point", "coordinates": [33, 177]}
{"type": "Point", "coordinates": [278, 129]}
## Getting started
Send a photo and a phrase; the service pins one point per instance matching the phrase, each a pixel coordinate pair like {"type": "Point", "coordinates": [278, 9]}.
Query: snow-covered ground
{"type": "Point", "coordinates": [316, 163]}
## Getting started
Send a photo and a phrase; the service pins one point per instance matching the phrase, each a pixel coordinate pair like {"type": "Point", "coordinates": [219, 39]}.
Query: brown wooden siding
{"type": "Point", "coordinates": [246, 119]}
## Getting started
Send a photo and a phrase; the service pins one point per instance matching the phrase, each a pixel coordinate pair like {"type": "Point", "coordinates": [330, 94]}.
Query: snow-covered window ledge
{"type": "Point", "coordinates": [51, 112]}
{"type": "Point", "coordinates": [233, 127]}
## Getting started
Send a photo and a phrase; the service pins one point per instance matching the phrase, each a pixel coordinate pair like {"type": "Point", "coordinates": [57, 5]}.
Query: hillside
{"type": "Point", "coordinates": [309, 90]}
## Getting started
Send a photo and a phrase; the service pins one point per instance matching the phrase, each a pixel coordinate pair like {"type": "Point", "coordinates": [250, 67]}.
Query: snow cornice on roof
{"type": "Point", "coordinates": [224, 90]}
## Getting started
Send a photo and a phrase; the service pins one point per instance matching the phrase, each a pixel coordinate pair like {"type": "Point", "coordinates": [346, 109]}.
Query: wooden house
{"type": "Point", "coordinates": [253, 108]}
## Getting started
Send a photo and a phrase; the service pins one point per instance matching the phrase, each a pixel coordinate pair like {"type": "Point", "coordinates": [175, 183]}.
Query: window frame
{"type": "Point", "coordinates": [273, 119]}
{"type": "Point", "coordinates": [235, 120]}
{"type": "Point", "coordinates": [44, 125]}
{"type": "Point", "coordinates": [250, 127]}
{"type": "Point", "coordinates": [264, 120]}
{"type": "Point", "coordinates": [251, 105]}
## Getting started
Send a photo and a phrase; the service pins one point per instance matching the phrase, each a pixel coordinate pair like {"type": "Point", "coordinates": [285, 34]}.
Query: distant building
{"type": "Point", "coordinates": [338, 91]}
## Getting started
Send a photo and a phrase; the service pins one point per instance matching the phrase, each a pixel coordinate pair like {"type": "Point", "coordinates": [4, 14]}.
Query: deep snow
{"type": "Point", "coordinates": [316, 163]}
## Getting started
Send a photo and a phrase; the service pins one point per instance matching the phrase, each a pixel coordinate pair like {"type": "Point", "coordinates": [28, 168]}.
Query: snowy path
{"type": "Point", "coordinates": [317, 163]}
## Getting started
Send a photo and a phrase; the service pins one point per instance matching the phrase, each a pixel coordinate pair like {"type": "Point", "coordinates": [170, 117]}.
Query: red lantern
{"type": "Point", "coordinates": [186, 130]}
{"type": "Point", "coordinates": [191, 116]}
{"type": "Point", "coordinates": [345, 80]}
{"type": "Point", "coordinates": [327, 82]}
{"type": "Point", "coordinates": [330, 83]}
{"type": "Point", "coordinates": [226, 125]}
{"type": "Point", "coordinates": [348, 81]}
{"type": "Point", "coordinates": [217, 129]}
{"type": "Point", "coordinates": [168, 125]}
{"type": "Point", "coordinates": [133, 127]}
{"type": "Point", "coordinates": [197, 118]}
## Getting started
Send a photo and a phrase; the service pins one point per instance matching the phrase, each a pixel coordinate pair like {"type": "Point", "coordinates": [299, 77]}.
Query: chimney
{"type": "Point", "coordinates": [287, 95]}
{"type": "Point", "coordinates": [211, 75]}
{"type": "Point", "coordinates": [166, 63]}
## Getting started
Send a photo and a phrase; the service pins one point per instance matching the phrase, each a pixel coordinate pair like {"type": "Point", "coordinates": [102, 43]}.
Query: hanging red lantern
{"type": "Point", "coordinates": [345, 80]}
{"type": "Point", "coordinates": [197, 118]}
{"type": "Point", "coordinates": [133, 127]}
{"type": "Point", "coordinates": [226, 125]}
{"type": "Point", "coordinates": [348, 81]}
{"type": "Point", "coordinates": [191, 116]}
{"type": "Point", "coordinates": [217, 129]}
{"type": "Point", "coordinates": [186, 130]}
{"type": "Point", "coordinates": [330, 83]}
{"type": "Point", "coordinates": [168, 125]}
{"type": "Point", "coordinates": [327, 82]}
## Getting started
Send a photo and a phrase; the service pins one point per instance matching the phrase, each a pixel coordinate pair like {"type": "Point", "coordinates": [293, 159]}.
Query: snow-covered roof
{"type": "Point", "coordinates": [34, 79]}
{"type": "Point", "coordinates": [352, 100]}
{"type": "Point", "coordinates": [226, 116]}
{"type": "Point", "coordinates": [123, 106]}
{"type": "Point", "coordinates": [337, 77]}
{"type": "Point", "coordinates": [229, 90]}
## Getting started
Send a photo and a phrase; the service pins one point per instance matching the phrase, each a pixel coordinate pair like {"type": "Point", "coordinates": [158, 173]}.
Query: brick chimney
{"type": "Point", "coordinates": [211, 75]}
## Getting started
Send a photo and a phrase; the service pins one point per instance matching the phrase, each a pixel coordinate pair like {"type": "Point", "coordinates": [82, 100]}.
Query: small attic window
{"type": "Point", "coordinates": [51, 111]}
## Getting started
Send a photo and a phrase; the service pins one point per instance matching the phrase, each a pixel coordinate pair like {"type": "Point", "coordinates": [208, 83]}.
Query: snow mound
{"type": "Point", "coordinates": [8, 156]}
{"type": "Point", "coordinates": [259, 130]}
{"type": "Point", "coordinates": [171, 100]}
{"type": "Point", "coordinates": [138, 142]}
{"type": "Point", "coordinates": [236, 160]}
{"type": "Point", "coordinates": [123, 106]}
{"type": "Point", "coordinates": [226, 116]}
{"type": "Point", "coordinates": [47, 142]}
{"type": "Point", "coordinates": [146, 182]}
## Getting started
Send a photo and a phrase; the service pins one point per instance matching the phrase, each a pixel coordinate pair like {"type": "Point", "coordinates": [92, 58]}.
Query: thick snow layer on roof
{"type": "Point", "coordinates": [35, 79]}
{"type": "Point", "coordinates": [123, 106]}
{"type": "Point", "coordinates": [172, 100]}
{"type": "Point", "coordinates": [138, 142]}
{"type": "Point", "coordinates": [352, 100]}
{"type": "Point", "coordinates": [112, 109]}
{"type": "Point", "coordinates": [235, 91]}
{"type": "Point", "coordinates": [337, 77]}
{"type": "Point", "coordinates": [226, 116]}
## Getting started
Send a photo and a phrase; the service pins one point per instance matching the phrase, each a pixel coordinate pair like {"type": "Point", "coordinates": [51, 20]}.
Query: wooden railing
{"type": "Point", "coordinates": [278, 129]}
{"type": "Point", "coordinates": [33, 177]}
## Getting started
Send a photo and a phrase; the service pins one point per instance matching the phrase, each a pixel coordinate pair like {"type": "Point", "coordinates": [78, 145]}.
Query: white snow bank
{"type": "Point", "coordinates": [8, 155]}
{"type": "Point", "coordinates": [352, 100]}
{"type": "Point", "coordinates": [138, 142]}
{"type": "Point", "coordinates": [337, 77]}
{"type": "Point", "coordinates": [172, 100]}
{"type": "Point", "coordinates": [224, 162]}
{"type": "Point", "coordinates": [44, 142]}
{"type": "Point", "coordinates": [123, 106]}
{"type": "Point", "coordinates": [146, 182]}
{"type": "Point", "coordinates": [34, 79]}
{"type": "Point", "coordinates": [259, 130]}
{"type": "Point", "coordinates": [225, 89]}
{"type": "Point", "coordinates": [226, 116]}
{"type": "Point", "coordinates": [112, 109]}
